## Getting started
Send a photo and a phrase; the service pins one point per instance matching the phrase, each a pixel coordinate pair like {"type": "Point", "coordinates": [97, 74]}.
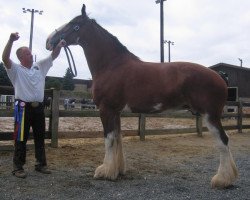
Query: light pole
{"type": "Point", "coordinates": [161, 28]}
{"type": "Point", "coordinates": [32, 11]}
{"type": "Point", "coordinates": [169, 42]}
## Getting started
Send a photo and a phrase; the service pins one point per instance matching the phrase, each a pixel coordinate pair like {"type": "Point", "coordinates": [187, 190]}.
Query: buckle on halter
{"type": "Point", "coordinates": [34, 104]}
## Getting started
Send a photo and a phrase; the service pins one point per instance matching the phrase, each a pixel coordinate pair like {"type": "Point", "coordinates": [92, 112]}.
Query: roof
{"type": "Point", "coordinates": [229, 66]}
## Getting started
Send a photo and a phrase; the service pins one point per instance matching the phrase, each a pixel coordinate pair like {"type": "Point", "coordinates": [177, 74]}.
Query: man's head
{"type": "Point", "coordinates": [25, 56]}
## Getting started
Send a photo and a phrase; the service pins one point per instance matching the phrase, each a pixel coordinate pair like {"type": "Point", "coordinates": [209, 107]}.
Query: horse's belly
{"type": "Point", "coordinates": [144, 109]}
{"type": "Point", "coordinates": [151, 108]}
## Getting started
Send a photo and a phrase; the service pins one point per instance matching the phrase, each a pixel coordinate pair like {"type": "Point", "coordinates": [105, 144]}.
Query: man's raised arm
{"type": "Point", "coordinates": [7, 50]}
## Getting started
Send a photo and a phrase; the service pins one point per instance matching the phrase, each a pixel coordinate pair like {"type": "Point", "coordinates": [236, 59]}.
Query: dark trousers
{"type": "Point", "coordinates": [35, 118]}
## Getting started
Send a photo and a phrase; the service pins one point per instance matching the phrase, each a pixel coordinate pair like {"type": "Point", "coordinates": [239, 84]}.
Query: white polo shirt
{"type": "Point", "coordinates": [29, 83]}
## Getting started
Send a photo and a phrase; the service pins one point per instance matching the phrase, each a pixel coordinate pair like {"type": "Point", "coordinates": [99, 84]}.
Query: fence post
{"type": "Point", "coordinates": [142, 123]}
{"type": "Point", "coordinates": [55, 118]}
{"type": "Point", "coordinates": [199, 125]}
{"type": "Point", "coordinates": [240, 113]}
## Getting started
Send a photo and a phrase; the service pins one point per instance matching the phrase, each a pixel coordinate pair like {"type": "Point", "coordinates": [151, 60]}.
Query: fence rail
{"type": "Point", "coordinates": [54, 114]}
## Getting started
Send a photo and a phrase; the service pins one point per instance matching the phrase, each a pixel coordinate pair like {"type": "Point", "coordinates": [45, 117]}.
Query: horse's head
{"type": "Point", "coordinates": [69, 32]}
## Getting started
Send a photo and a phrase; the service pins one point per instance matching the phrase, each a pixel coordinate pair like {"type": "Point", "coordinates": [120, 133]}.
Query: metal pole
{"type": "Point", "coordinates": [241, 61]}
{"type": "Point", "coordinates": [169, 42]}
{"type": "Point", "coordinates": [169, 52]}
{"type": "Point", "coordinates": [32, 11]}
{"type": "Point", "coordinates": [161, 28]}
{"type": "Point", "coordinates": [162, 31]}
{"type": "Point", "coordinates": [31, 29]}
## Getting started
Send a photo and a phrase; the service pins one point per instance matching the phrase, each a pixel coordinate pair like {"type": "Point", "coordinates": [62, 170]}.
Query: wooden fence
{"type": "Point", "coordinates": [54, 113]}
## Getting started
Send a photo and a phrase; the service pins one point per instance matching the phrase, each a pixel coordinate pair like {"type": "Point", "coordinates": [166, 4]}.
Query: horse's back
{"type": "Point", "coordinates": [154, 87]}
{"type": "Point", "coordinates": [184, 75]}
{"type": "Point", "coordinates": [203, 88]}
{"type": "Point", "coordinates": [176, 84]}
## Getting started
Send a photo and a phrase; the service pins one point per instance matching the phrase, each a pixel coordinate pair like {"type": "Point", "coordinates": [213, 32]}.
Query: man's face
{"type": "Point", "coordinates": [26, 57]}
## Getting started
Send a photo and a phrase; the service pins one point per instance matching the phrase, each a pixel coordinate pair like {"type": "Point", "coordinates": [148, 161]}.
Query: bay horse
{"type": "Point", "coordinates": [122, 81]}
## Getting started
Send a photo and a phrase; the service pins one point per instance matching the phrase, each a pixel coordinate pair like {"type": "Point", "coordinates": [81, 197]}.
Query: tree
{"type": "Point", "coordinates": [68, 82]}
{"type": "Point", "coordinates": [4, 79]}
{"type": "Point", "coordinates": [52, 82]}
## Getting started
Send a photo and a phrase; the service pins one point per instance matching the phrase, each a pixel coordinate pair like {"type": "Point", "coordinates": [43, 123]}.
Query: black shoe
{"type": "Point", "coordinates": [43, 170]}
{"type": "Point", "coordinates": [20, 173]}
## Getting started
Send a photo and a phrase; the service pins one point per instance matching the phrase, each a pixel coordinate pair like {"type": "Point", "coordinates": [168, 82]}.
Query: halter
{"type": "Point", "coordinates": [69, 55]}
{"type": "Point", "coordinates": [67, 49]}
{"type": "Point", "coordinates": [61, 36]}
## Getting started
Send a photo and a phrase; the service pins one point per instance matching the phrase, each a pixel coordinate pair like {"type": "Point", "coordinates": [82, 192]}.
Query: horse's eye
{"type": "Point", "coordinates": [76, 27]}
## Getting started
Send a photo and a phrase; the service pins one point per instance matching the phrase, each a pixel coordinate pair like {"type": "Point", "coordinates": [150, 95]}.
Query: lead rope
{"type": "Point", "coordinates": [74, 72]}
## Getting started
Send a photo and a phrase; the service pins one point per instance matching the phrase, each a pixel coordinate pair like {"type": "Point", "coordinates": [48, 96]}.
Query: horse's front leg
{"type": "Point", "coordinates": [113, 163]}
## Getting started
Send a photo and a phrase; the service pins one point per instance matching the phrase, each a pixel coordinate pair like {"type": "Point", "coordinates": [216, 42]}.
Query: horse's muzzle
{"type": "Point", "coordinates": [49, 45]}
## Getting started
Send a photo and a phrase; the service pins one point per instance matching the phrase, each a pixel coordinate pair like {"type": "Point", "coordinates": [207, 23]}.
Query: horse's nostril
{"type": "Point", "coordinates": [49, 46]}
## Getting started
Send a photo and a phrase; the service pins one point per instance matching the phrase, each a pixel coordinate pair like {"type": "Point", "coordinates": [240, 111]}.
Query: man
{"type": "Point", "coordinates": [28, 79]}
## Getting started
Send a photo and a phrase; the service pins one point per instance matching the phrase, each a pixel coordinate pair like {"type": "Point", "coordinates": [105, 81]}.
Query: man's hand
{"type": "Point", "coordinates": [62, 43]}
{"type": "Point", "coordinates": [14, 36]}
{"type": "Point", "coordinates": [57, 50]}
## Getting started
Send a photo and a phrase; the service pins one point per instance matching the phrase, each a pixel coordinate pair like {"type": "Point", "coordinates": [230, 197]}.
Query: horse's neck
{"type": "Point", "coordinates": [100, 52]}
{"type": "Point", "coordinates": [97, 58]}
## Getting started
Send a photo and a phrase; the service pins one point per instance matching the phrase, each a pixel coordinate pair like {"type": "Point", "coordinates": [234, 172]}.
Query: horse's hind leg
{"type": "Point", "coordinates": [113, 163]}
{"type": "Point", "coordinates": [227, 172]}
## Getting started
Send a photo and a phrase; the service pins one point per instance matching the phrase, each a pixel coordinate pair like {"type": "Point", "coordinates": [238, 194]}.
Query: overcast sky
{"type": "Point", "coordinates": [203, 31]}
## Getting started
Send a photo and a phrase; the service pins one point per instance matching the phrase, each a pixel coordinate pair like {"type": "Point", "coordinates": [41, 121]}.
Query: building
{"type": "Point", "coordinates": [80, 84]}
{"type": "Point", "coordinates": [6, 101]}
{"type": "Point", "coordinates": [238, 79]}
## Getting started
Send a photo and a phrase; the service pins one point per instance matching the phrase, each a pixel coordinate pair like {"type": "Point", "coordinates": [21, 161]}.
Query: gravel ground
{"type": "Point", "coordinates": [162, 167]}
{"type": "Point", "coordinates": [189, 181]}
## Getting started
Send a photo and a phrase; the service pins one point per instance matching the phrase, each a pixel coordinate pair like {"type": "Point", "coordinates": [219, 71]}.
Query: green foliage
{"type": "Point", "coordinates": [4, 79]}
{"type": "Point", "coordinates": [52, 82]}
{"type": "Point", "coordinates": [68, 82]}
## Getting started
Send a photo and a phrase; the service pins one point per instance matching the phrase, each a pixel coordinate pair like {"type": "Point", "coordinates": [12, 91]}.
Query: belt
{"type": "Point", "coordinates": [33, 104]}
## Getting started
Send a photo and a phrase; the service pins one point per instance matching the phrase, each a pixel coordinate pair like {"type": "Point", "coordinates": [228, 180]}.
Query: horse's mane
{"type": "Point", "coordinates": [108, 36]}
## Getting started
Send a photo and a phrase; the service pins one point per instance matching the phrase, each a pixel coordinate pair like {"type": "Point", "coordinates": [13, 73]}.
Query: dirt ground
{"type": "Point", "coordinates": [90, 152]}
{"type": "Point", "coordinates": [67, 124]}
{"type": "Point", "coordinates": [168, 158]}
{"type": "Point", "coordinates": [149, 156]}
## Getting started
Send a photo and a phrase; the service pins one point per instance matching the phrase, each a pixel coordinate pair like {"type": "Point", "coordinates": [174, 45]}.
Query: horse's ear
{"type": "Point", "coordinates": [83, 10]}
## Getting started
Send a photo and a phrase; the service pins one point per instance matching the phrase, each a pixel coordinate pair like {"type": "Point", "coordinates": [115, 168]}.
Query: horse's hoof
{"type": "Point", "coordinates": [220, 182]}
{"type": "Point", "coordinates": [102, 172]}
{"type": "Point", "coordinates": [122, 170]}
{"type": "Point", "coordinates": [99, 172]}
